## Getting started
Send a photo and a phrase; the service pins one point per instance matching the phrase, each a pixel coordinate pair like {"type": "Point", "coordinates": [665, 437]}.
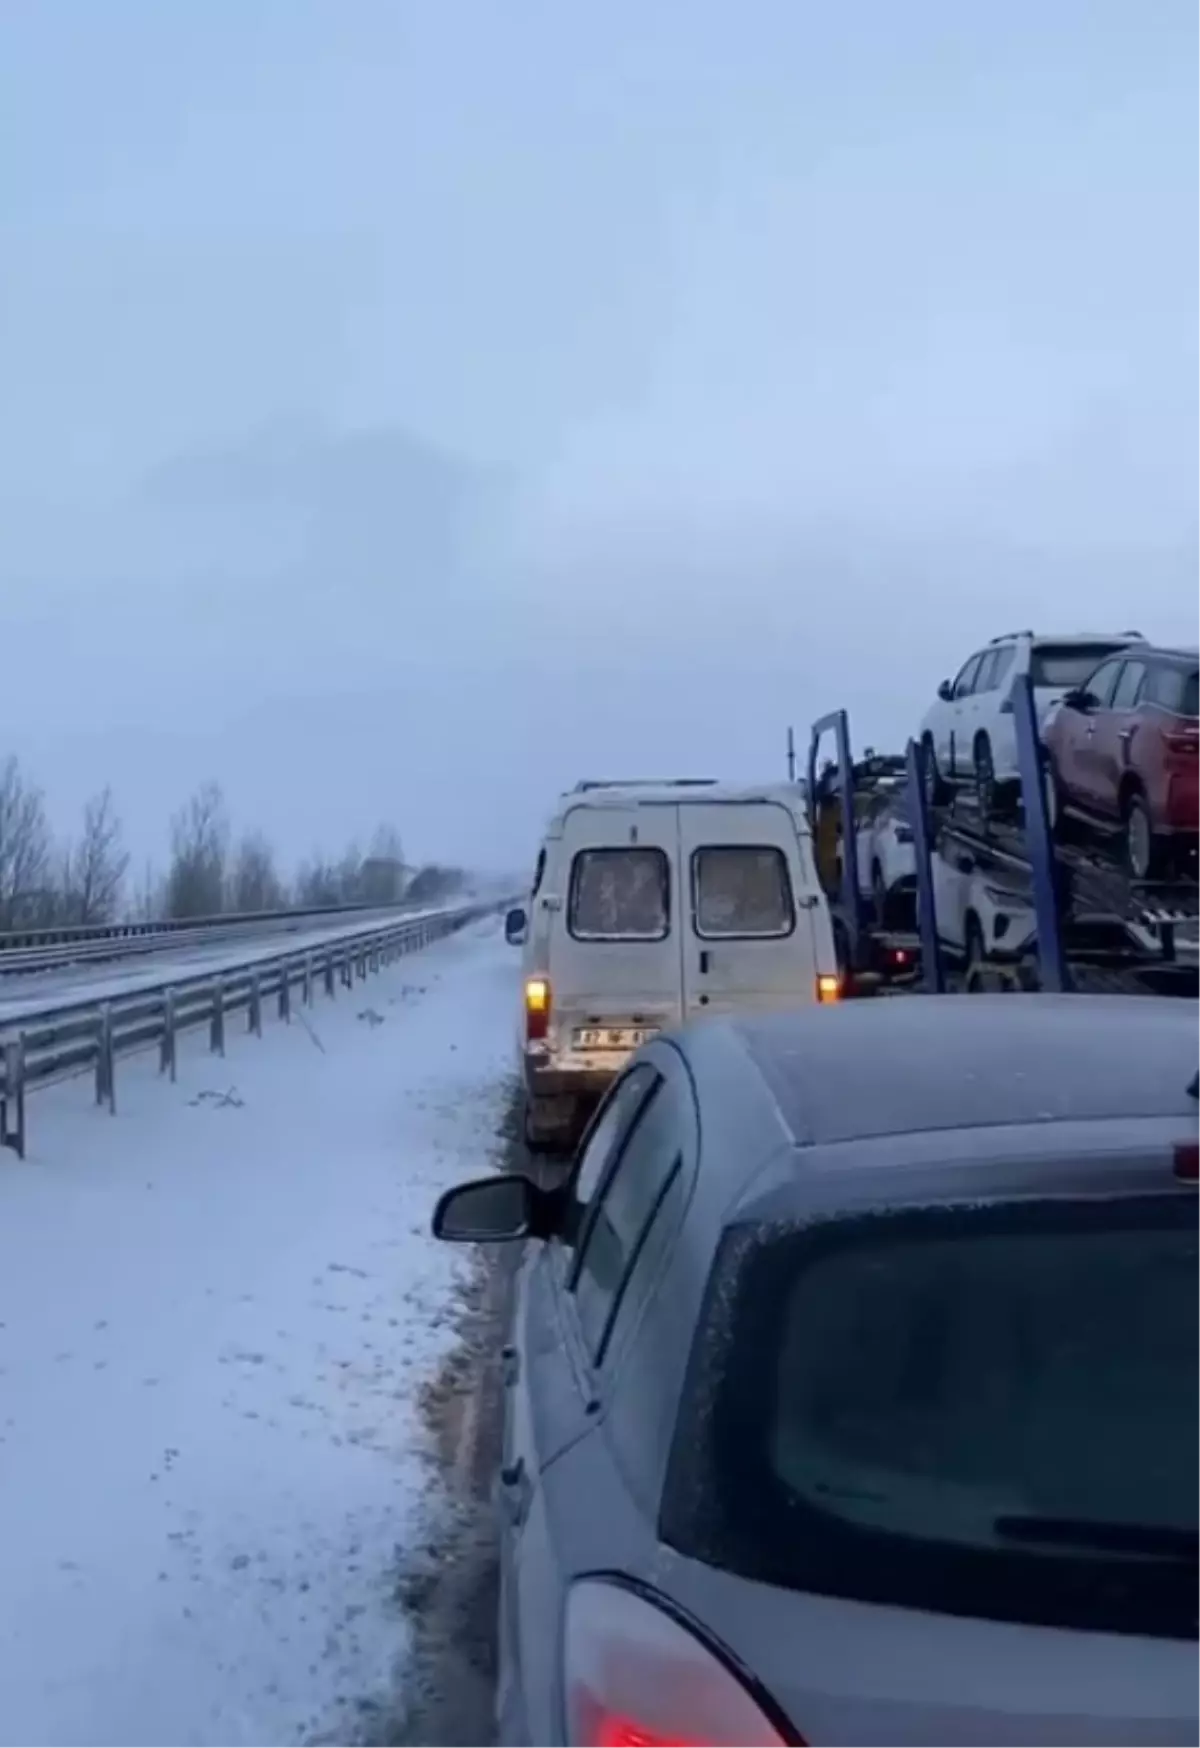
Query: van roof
{"type": "Point", "coordinates": [698, 792]}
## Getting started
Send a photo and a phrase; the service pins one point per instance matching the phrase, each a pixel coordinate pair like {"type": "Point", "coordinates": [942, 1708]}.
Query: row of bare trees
{"type": "Point", "coordinates": [45, 883]}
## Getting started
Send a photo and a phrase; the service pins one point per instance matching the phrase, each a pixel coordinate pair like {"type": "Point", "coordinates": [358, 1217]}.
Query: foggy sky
{"type": "Point", "coordinates": [408, 409]}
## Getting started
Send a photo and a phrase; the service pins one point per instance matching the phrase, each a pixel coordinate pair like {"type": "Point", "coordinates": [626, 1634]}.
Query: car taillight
{"type": "Point", "coordinates": [635, 1677]}
{"type": "Point", "coordinates": [1187, 1161]}
{"type": "Point", "coordinates": [829, 987]}
{"type": "Point", "coordinates": [1183, 743]}
{"type": "Point", "coordinates": [537, 1008]}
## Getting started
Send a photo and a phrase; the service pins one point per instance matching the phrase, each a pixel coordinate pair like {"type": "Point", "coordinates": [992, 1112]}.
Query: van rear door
{"type": "Point", "coordinates": [614, 967]}
{"type": "Point", "coordinates": [749, 939]}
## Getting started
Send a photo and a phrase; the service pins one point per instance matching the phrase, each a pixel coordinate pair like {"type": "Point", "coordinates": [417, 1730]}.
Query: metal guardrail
{"type": "Point", "coordinates": [29, 950]}
{"type": "Point", "coordinates": [63, 1038]}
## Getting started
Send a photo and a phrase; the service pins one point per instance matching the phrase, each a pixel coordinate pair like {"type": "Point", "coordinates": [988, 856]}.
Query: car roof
{"type": "Point", "coordinates": [893, 1066]}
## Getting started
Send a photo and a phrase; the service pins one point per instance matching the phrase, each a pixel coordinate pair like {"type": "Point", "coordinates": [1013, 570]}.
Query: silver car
{"type": "Point", "coordinates": [852, 1391]}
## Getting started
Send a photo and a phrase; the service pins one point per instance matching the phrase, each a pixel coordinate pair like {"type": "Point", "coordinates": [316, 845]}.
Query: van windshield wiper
{"type": "Point", "coordinates": [1155, 1541]}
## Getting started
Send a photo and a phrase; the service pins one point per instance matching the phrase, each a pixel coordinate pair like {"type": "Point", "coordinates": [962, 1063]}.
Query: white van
{"type": "Point", "coordinates": [654, 904]}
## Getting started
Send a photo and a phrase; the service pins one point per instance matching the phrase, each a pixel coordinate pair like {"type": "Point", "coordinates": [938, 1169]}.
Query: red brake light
{"type": "Point", "coordinates": [537, 1008]}
{"type": "Point", "coordinates": [1187, 1161]}
{"type": "Point", "coordinates": [635, 1677]}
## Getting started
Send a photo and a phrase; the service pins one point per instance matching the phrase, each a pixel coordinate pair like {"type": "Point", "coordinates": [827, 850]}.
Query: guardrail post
{"type": "Point", "coordinates": [285, 993]}
{"type": "Point", "coordinates": [166, 1051]}
{"type": "Point", "coordinates": [347, 968]}
{"type": "Point", "coordinates": [106, 1078]}
{"type": "Point", "coordinates": [360, 964]}
{"type": "Point", "coordinates": [216, 1036]}
{"type": "Point", "coordinates": [308, 979]}
{"type": "Point", "coordinates": [13, 1134]}
{"type": "Point", "coordinates": [254, 1017]}
{"type": "Point", "coordinates": [330, 985]}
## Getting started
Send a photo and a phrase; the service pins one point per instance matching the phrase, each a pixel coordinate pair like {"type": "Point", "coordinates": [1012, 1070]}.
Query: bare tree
{"type": "Point", "coordinates": [316, 884]}
{"type": "Point", "coordinates": [94, 869]}
{"type": "Point", "coordinates": [26, 885]}
{"type": "Point", "coordinates": [199, 851]}
{"type": "Point", "coordinates": [254, 882]}
{"type": "Point", "coordinates": [149, 901]}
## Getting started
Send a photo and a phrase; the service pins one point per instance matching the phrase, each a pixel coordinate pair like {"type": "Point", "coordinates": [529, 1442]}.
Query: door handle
{"type": "Point", "coordinates": [704, 962]}
{"type": "Point", "coordinates": [516, 1491]}
{"type": "Point", "coordinates": [510, 1366]}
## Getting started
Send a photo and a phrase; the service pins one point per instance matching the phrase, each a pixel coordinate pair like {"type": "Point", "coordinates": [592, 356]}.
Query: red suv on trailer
{"type": "Point", "coordinates": [1122, 754]}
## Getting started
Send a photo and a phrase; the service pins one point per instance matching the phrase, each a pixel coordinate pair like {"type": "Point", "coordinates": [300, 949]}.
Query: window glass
{"type": "Point", "coordinates": [1126, 694]}
{"type": "Point", "coordinates": [607, 1128]}
{"type": "Point", "coordinates": [741, 890]}
{"type": "Point", "coordinates": [539, 872]}
{"type": "Point", "coordinates": [965, 683]}
{"type": "Point", "coordinates": [1173, 687]}
{"type": "Point", "coordinates": [989, 1412]}
{"type": "Point", "coordinates": [1067, 664]}
{"type": "Point", "coordinates": [620, 895]}
{"type": "Point", "coordinates": [985, 679]}
{"type": "Point", "coordinates": [1101, 683]}
{"type": "Point", "coordinates": [1001, 664]}
{"type": "Point", "coordinates": [623, 1212]}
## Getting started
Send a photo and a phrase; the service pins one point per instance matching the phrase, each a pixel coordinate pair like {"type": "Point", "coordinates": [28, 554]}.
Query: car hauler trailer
{"type": "Point", "coordinates": [1088, 926]}
{"type": "Point", "coordinates": [876, 944]}
{"type": "Point", "coordinates": [1094, 927]}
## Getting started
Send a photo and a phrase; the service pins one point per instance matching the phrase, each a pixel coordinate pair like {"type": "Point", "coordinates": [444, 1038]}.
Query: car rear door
{"type": "Point", "coordinates": [747, 929]}
{"type": "Point", "coordinates": [546, 1398]}
{"type": "Point", "coordinates": [615, 973]}
{"type": "Point", "coordinates": [1083, 738]}
{"type": "Point", "coordinates": [1115, 731]}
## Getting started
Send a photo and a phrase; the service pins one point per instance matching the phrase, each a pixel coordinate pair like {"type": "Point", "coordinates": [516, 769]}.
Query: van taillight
{"type": "Point", "coordinates": [635, 1677]}
{"type": "Point", "coordinates": [537, 1008]}
{"type": "Point", "coordinates": [829, 987]}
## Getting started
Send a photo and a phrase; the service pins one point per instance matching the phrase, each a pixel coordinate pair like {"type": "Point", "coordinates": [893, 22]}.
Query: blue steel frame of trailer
{"type": "Point", "coordinates": [837, 723]}
{"type": "Point", "coordinates": [1039, 845]}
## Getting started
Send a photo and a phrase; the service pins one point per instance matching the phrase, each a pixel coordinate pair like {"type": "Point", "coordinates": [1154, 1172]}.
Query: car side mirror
{"type": "Point", "coordinates": [516, 926]}
{"type": "Point", "coordinates": [946, 691]}
{"type": "Point", "coordinates": [1079, 698]}
{"type": "Point", "coordinates": [489, 1210]}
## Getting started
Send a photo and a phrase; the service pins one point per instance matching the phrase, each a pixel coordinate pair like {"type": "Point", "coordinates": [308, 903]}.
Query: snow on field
{"type": "Point", "coordinates": [216, 1311]}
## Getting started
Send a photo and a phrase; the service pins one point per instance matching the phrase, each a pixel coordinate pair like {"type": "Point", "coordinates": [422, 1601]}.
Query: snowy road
{"type": "Point", "coordinates": [24, 993]}
{"type": "Point", "coordinates": [216, 1312]}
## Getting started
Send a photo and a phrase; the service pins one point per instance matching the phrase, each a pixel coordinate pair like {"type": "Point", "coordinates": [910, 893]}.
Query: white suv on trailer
{"type": "Point", "coordinates": [969, 732]}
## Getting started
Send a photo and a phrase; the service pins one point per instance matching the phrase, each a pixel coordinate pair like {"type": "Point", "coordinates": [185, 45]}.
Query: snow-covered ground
{"type": "Point", "coordinates": [26, 993]}
{"type": "Point", "coordinates": [216, 1311]}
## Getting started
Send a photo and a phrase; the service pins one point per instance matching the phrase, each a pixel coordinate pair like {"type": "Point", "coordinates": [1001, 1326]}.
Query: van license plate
{"type": "Point", "coordinates": [613, 1037]}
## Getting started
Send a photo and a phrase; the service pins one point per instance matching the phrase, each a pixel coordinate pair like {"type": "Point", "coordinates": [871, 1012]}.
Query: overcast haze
{"type": "Point", "coordinates": [406, 409]}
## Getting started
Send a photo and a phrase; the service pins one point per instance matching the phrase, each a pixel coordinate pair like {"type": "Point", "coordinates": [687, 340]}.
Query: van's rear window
{"type": "Point", "coordinates": [620, 895]}
{"type": "Point", "coordinates": [985, 1411]}
{"type": "Point", "coordinates": [1067, 664]}
{"type": "Point", "coordinates": [741, 891]}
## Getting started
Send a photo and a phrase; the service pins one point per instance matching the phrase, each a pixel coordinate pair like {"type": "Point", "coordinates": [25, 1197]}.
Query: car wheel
{"type": "Point", "coordinates": [937, 790]}
{"type": "Point", "coordinates": [1143, 853]}
{"type": "Point", "coordinates": [541, 1134]}
{"type": "Point", "coordinates": [982, 975]}
{"type": "Point", "coordinates": [1053, 795]}
{"type": "Point", "coordinates": [985, 779]}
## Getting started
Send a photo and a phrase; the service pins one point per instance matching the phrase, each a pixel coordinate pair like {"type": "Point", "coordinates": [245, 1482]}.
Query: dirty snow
{"type": "Point", "coordinates": [216, 1311]}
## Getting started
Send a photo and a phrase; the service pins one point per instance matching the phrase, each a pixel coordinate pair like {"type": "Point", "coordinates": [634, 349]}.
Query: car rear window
{"type": "Point", "coordinates": [985, 1411]}
{"type": "Point", "coordinates": [1175, 688]}
{"type": "Point", "coordinates": [1067, 664]}
{"type": "Point", "coordinates": [742, 890]}
{"type": "Point", "coordinates": [620, 895]}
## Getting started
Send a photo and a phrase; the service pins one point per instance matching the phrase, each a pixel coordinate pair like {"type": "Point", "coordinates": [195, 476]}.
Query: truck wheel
{"type": "Point", "coordinates": [544, 1133]}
